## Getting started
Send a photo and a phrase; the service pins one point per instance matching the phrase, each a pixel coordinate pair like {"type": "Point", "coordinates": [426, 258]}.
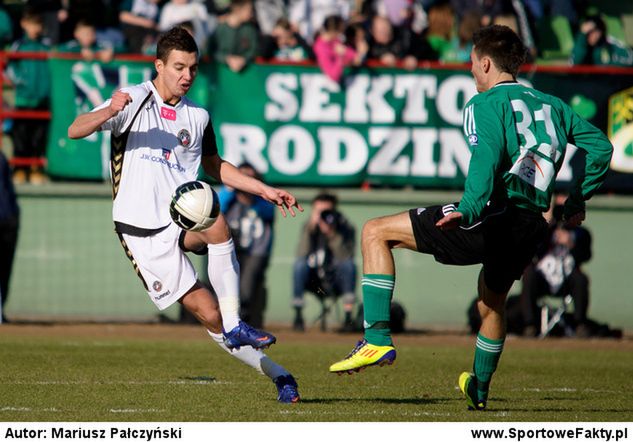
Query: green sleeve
{"type": "Point", "coordinates": [484, 132]}
{"type": "Point", "coordinates": [598, 150]}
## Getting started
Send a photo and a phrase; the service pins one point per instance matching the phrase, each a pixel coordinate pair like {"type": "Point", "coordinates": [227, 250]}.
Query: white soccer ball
{"type": "Point", "coordinates": [194, 206]}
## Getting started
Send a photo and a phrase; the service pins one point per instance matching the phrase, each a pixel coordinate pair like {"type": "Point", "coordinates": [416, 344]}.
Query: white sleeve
{"type": "Point", "coordinates": [117, 123]}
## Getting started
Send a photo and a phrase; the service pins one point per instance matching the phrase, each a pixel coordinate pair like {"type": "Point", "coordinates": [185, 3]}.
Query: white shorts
{"type": "Point", "coordinates": [166, 271]}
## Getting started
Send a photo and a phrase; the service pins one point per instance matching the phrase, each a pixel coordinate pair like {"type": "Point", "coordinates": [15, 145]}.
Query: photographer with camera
{"type": "Point", "coordinates": [325, 259]}
{"type": "Point", "coordinates": [556, 271]}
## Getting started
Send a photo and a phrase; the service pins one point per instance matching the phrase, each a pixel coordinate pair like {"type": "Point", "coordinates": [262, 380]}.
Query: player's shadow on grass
{"type": "Point", "coordinates": [199, 379]}
{"type": "Point", "coordinates": [392, 401]}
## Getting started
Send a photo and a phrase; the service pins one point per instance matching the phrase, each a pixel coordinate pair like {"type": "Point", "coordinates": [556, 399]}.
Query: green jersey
{"type": "Point", "coordinates": [31, 78]}
{"type": "Point", "coordinates": [518, 137]}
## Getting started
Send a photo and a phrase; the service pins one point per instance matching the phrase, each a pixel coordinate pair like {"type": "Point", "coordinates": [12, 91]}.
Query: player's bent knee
{"type": "Point", "coordinates": [371, 231]}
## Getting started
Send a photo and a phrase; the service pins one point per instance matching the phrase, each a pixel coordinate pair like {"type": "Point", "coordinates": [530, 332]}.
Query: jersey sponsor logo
{"type": "Point", "coordinates": [168, 114]}
{"type": "Point", "coordinates": [157, 286]}
{"type": "Point", "coordinates": [162, 295]}
{"type": "Point", "coordinates": [184, 137]}
{"type": "Point", "coordinates": [163, 161]}
{"type": "Point", "coordinates": [534, 170]}
{"type": "Point", "coordinates": [473, 139]}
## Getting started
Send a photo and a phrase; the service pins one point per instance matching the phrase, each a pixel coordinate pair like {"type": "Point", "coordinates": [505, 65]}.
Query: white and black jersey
{"type": "Point", "coordinates": [155, 148]}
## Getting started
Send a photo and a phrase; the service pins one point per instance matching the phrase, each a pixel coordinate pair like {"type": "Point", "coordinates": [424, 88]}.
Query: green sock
{"type": "Point", "coordinates": [487, 354]}
{"type": "Point", "coordinates": [377, 294]}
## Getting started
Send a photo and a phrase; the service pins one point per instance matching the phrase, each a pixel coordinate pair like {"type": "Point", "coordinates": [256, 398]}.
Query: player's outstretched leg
{"type": "Point", "coordinates": [378, 237]}
{"type": "Point", "coordinates": [365, 355]}
{"type": "Point", "coordinates": [287, 388]}
{"type": "Point", "coordinates": [224, 275]}
{"type": "Point", "coordinates": [245, 335]}
{"type": "Point", "coordinates": [377, 347]}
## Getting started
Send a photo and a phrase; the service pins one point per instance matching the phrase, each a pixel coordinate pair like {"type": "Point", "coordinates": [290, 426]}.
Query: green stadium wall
{"type": "Point", "coordinates": [70, 266]}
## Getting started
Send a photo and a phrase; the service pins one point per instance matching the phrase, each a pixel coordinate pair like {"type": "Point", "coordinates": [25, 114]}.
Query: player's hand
{"type": "Point", "coordinates": [575, 220]}
{"type": "Point", "coordinates": [119, 101]}
{"type": "Point", "coordinates": [283, 200]}
{"type": "Point", "coordinates": [450, 221]}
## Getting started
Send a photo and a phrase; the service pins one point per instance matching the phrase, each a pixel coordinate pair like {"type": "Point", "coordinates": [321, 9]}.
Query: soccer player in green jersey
{"type": "Point", "coordinates": [517, 137]}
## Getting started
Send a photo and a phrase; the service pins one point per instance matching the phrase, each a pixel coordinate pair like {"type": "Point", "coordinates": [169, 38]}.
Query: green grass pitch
{"type": "Point", "coordinates": [176, 374]}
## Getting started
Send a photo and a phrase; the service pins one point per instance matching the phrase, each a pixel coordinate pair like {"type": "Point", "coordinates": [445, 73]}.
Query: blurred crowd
{"type": "Point", "coordinates": [336, 33]}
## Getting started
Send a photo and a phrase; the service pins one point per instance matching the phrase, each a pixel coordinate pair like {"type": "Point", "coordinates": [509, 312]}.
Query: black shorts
{"type": "Point", "coordinates": [504, 241]}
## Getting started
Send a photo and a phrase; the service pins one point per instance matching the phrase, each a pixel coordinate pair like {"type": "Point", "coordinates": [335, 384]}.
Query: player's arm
{"type": "Point", "coordinates": [86, 124]}
{"type": "Point", "coordinates": [598, 151]}
{"type": "Point", "coordinates": [229, 175]}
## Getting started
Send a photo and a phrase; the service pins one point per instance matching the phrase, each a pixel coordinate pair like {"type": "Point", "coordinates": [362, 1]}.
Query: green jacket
{"type": "Point", "coordinates": [609, 53]}
{"type": "Point", "coordinates": [241, 40]}
{"type": "Point", "coordinates": [32, 78]}
{"type": "Point", "coordinates": [518, 137]}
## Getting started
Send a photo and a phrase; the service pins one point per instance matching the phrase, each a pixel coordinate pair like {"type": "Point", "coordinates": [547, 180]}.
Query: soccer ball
{"type": "Point", "coordinates": [194, 206]}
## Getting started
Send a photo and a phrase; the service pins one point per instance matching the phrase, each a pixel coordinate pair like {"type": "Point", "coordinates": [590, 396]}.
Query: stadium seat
{"type": "Point", "coordinates": [553, 311]}
{"type": "Point", "coordinates": [627, 23]}
{"type": "Point", "coordinates": [556, 40]}
{"type": "Point", "coordinates": [614, 27]}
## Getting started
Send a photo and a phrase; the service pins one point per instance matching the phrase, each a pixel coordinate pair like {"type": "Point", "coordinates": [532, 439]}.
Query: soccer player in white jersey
{"type": "Point", "coordinates": [159, 140]}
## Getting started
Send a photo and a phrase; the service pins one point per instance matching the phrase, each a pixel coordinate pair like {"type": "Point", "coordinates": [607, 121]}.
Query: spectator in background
{"type": "Point", "coordinates": [250, 219]}
{"type": "Point", "coordinates": [86, 44]}
{"type": "Point", "coordinates": [594, 47]}
{"type": "Point", "coordinates": [6, 28]}
{"type": "Point", "coordinates": [384, 45]}
{"type": "Point", "coordinates": [31, 79]}
{"type": "Point", "coordinates": [286, 44]}
{"type": "Point", "coordinates": [93, 11]}
{"type": "Point", "coordinates": [9, 226]}
{"type": "Point", "coordinates": [236, 37]}
{"type": "Point", "coordinates": [54, 15]}
{"type": "Point", "coordinates": [402, 14]}
{"type": "Point", "coordinates": [325, 259]}
{"type": "Point", "coordinates": [331, 52]}
{"type": "Point", "coordinates": [511, 13]}
{"type": "Point", "coordinates": [308, 16]}
{"type": "Point", "coordinates": [418, 50]}
{"type": "Point", "coordinates": [461, 44]}
{"type": "Point", "coordinates": [139, 22]}
{"type": "Point", "coordinates": [176, 12]}
{"type": "Point", "coordinates": [357, 39]}
{"type": "Point", "coordinates": [440, 30]}
{"type": "Point", "coordinates": [556, 271]}
{"type": "Point", "coordinates": [268, 13]}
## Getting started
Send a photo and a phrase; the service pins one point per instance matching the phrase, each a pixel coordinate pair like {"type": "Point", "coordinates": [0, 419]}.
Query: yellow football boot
{"type": "Point", "coordinates": [365, 355]}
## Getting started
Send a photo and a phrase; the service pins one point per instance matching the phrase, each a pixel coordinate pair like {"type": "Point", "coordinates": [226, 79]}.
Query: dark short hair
{"type": "Point", "coordinates": [326, 197]}
{"type": "Point", "coordinates": [31, 14]}
{"type": "Point", "coordinates": [178, 39]}
{"type": "Point", "coordinates": [502, 45]}
{"type": "Point", "coordinates": [333, 23]}
{"type": "Point", "coordinates": [239, 3]}
{"type": "Point", "coordinates": [85, 23]}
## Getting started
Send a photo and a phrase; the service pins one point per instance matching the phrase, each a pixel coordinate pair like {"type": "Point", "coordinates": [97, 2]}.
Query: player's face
{"type": "Point", "coordinates": [177, 74]}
